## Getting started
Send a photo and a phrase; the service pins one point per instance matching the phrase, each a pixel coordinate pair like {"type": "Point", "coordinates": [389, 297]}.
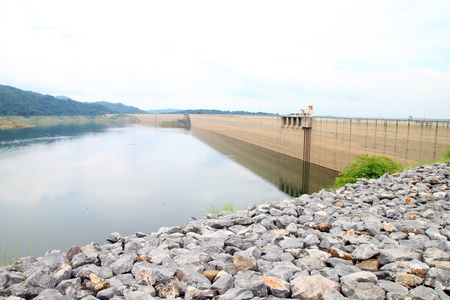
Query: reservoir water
{"type": "Point", "coordinates": [68, 185]}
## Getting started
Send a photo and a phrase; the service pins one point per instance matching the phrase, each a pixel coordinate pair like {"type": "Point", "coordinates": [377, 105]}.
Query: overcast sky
{"type": "Point", "coordinates": [346, 58]}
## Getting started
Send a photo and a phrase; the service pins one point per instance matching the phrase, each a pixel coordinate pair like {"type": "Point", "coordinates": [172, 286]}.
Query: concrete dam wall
{"type": "Point", "coordinates": [335, 142]}
{"type": "Point", "coordinates": [329, 142]}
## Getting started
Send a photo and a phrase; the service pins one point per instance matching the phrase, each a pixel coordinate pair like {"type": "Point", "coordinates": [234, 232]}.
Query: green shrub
{"type": "Point", "coordinates": [446, 155]}
{"type": "Point", "coordinates": [366, 166]}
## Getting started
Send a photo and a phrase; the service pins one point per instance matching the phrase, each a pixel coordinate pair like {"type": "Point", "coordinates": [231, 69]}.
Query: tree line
{"type": "Point", "coordinates": [17, 102]}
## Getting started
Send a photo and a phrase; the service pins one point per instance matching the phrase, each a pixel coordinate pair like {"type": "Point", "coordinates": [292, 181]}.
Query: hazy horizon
{"type": "Point", "coordinates": [388, 59]}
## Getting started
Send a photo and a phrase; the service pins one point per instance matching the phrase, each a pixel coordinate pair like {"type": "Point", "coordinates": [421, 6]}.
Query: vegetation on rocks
{"type": "Point", "coordinates": [366, 166]}
{"type": "Point", "coordinates": [215, 210]}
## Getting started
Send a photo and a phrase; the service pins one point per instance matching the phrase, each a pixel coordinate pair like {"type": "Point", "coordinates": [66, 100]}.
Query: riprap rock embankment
{"type": "Point", "coordinates": [377, 239]}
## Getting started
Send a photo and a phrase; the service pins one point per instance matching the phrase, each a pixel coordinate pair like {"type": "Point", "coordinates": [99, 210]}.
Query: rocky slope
{"type": "Point", "coordinates": [376, 239]}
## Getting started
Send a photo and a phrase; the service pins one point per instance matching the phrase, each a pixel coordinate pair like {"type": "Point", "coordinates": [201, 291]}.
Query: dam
{"type": "Point", "coordinates": [329, 142]}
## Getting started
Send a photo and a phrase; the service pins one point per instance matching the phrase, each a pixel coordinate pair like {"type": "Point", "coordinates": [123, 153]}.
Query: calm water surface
{"type": "Point", "coordinates": [69, 185]}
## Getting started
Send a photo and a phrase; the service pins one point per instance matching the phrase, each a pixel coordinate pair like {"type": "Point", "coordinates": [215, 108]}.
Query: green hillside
{"type": "Point", "coordinates": [17, 102]}
{"type": "Point", "coordinates": [121, 108]}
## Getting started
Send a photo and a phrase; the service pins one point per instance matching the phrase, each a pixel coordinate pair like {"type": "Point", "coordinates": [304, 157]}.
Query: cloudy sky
{"type": "Point", "coordinates": [346, 58]}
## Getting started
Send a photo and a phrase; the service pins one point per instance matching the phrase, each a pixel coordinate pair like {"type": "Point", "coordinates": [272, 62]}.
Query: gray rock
{"type": "Point", "coordinates": [438, 278]}
{"type": "Point", "coordinates": [284, 271]}
{"type": "Point", "coordinates": [86, 270]}
{"type": "Point", "coordinates": [312, 287]}
{"type": "Point", "coordinates": [423, 293]}
{"type": "Point", "coordinates": [392, 287]}
{"type": "Point", "coordinates": [223, 283]}
{"type": "Point", "coordinates": [32, 286]}
{"type": "Point", "coordinates": [433, 254]}
{"type": "Point", "coordinates": [190, 276]}
{"type": "Point", "coordinates": [114, 237]}
{"type": "Point", "coordinates": [236, 294]}
{"type": "Point", "coordinates": [139, 293]}
{"type": "Point", "coordinates": [251, 281]}
{"type": "Point", "coordinates": [50, 294]}
{"type": "Point", "coordinates": [362, 276]}
{"type": "Point", "coordinates": [332, 295]}
{"type": "Point", "coordinates": [395, 254]}
{"type": "Point", "coordinates": [329, 273]}
{"type": "Point", "coordinates": [149, 274]}
{"type": "Point", "coordinates": [365, 251]}
{"type": "Point", "coordinates": [362, 290]}
{"type": "Point", "coordinates": [54, 260]}
{"type": "Point", "coordinates": [311, 240]}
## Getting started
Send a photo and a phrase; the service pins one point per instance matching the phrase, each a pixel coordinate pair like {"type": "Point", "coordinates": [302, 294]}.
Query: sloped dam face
{"type": "Point", "coordinates": [334, 142]}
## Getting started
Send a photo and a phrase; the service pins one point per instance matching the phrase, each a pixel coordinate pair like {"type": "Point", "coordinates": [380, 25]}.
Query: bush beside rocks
{"type": "Point", "coordinates": [385, 238]}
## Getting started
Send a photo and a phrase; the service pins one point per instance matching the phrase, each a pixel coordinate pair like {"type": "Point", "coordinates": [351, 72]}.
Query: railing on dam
{"type": "Point", "coordinates": [333, 142]}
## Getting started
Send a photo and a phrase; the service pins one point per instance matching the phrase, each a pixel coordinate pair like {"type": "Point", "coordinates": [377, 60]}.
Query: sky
{"type": "Point", "coordinates": [388, 59]}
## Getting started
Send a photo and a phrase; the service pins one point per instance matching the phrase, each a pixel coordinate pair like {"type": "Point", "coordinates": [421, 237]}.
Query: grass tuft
{"type": "Point", "coordinates": [7, 260]}
{"type": "Point", "coordinates": [212, 209]}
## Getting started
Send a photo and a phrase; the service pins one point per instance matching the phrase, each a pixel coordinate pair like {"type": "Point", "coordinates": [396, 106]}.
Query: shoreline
{"type": "Point", "coordinates": [385, 238]}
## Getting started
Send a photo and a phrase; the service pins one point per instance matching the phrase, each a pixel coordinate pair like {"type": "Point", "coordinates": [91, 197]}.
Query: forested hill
{"type": "Point", "coordinates": [121, 108]}
{"type": "Point", "coordinates": [17, 102]}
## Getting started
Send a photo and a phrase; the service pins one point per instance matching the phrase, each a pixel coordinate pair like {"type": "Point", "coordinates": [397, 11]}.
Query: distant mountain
{"type": "Point", "coordinates": [17, 102]}
{"type": "Point", "coordinates": [121, 108]}
{"type": "Point", "coordinates": [220, 112]}
{"type": "Point", "coordinates": [162, 111]}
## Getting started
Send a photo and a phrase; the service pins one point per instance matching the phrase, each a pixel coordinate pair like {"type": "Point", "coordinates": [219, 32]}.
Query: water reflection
{"type": "Point", "coordinates": [46, 134]}
{"type": "Point", "coordinates": [80, 188]}
{"type": "Point", "coordinates": [291, 175]}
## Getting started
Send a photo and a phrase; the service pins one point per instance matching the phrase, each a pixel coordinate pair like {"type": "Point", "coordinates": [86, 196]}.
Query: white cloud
{"type": "Point", "coordinates": [252, 55]}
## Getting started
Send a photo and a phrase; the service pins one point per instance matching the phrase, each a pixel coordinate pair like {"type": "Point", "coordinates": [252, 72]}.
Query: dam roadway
{"type": "Point", "coordinates": [328, 142]}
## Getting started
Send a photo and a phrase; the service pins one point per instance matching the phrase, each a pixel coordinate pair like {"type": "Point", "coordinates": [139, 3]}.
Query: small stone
{"type": "Point", "coordinates": [324, 227]}
{"type": "Point", "coordinates": [242, 263]}
{"type": "Point", "coordinates": [362, 290]}
{"type": "Point", "coordinates": [143, 257]}
{"type": "Point", "coordinates": [332, 295]}
{"type": "Point", "coordinates": [223, 283]}
{"type": "Point", "coordinates": [277, 287]}
{"type": "Point", "coordinates": [444, 265]}
{"type": "Point", "coordinates": [371, 265]}
{"type": "Point", "coordinates": [408, 200]}
{"type": "Point", "coordinates": [365, 251]}
{"type": "Point", "coordinates": [123, 265]}
{"type": "Point", "coordinates": [362, 276]}
{"type": "Point", "coordinates": [387, 195]}
{"type": "Point", "coordinates": [97, 283]}
{"type": "Point", "coordinates": [408, 279]}
{"type": "Point", "coordinates": [47, 294]}
{"type": "Point", "coordinates": [169, 290]}
{"type": "Point", "coordinates": [335, 252]}
{"type": "Point", "coordinates": [72, 252]}
{"type": "Point", "coordinates": [396, 254]}
{"type": "Point", "coordinates": [210, 274]}
{"type": "Point", "coordinates": [422, 292]}
{"type": "Point", "coordinates": [438, 278]}
{"type": "Point", "coordinates": [389, 227]}
{"type": "Point", "coordinates": [431, 255]}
